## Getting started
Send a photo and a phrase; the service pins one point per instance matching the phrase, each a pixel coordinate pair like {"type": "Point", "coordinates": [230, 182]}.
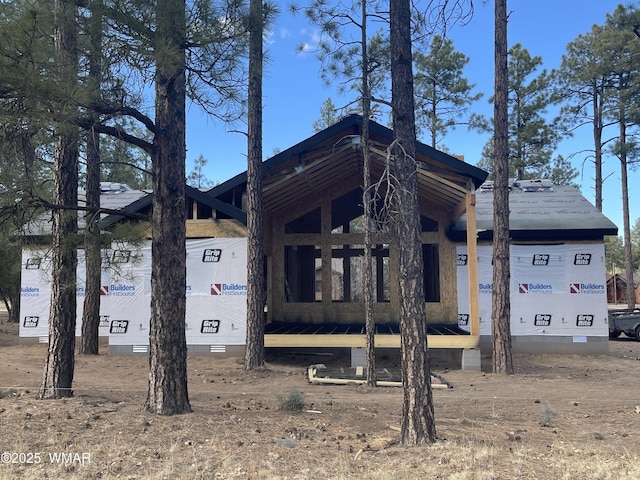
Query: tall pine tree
{"type": "Point", "coordinates": [502, 360]}
{"type": "Point", "coordinates": [443, 94]}
{"type": "Point", "coordinates": [418, 418]}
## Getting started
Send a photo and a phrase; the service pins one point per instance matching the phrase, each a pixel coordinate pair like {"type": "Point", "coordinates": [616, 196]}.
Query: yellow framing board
{"type": "Point", "coordinates": [359, 341]}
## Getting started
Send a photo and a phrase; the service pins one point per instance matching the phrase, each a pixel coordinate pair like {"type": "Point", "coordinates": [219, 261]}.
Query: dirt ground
{"type": "Point", "coordinates": [570, 417]}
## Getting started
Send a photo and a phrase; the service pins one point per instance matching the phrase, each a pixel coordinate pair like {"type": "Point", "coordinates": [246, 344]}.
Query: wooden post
{"type": "Point", "coordinates": [276, 274]}
{"type": "Point", "coordinates": [325, 252]}
{"type": "Point", "coordinates": [472, 265]}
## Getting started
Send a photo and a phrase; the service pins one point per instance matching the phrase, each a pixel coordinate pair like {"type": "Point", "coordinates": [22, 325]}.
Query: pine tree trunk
{"type": "Point", "coordinates": [93, 278]}
{"type": "Point", "coordinates": [628, 255]}
{"type": "Point", "coordinates": [418, 420]}
{"type": "Point", "coordinates": [367, 281]}
{"type": "Point", "coordinates": [93, 270]}
{"type": "Point", "coordinates": [501, 302]}
{"type": "Point", "coordinates": [597, 142]}
{"type": "Point", "coordinates": [167, 392]}
{"type": "Point", "coordinates": [626, 223]}
{"type": "Point", "coordinates": [254, 349]}
{"type": "Point", "coordinates": [93, 267]}
{"type": "Point", "coordinates": [13, 307]}
{"type": "Point", "coordinates": [59, 365]}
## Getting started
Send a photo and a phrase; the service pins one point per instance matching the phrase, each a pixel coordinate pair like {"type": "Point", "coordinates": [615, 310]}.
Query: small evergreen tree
{"type": "Point", "coordinates": [197, 177]}
{"type": "Point", "coordinates": [328, 116]}
{"type": "Point", "coordinates": [532, 139]}
{"type": "Point", "coordinates": [582, 82]}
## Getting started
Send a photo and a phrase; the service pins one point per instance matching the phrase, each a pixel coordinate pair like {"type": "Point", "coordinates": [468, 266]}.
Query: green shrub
{"type": "Point", "coordinates": [294, 402]}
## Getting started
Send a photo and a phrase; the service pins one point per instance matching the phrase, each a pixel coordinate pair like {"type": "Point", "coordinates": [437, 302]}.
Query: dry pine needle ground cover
{"type": "Point", "coordinates": [559, 417]}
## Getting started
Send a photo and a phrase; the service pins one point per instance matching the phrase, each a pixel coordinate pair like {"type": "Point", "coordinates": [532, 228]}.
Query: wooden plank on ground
{"type": "Point", "coordinates": [312, 376]}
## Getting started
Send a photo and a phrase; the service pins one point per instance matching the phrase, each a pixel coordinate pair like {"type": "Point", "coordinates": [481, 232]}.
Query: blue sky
{"type": "Point", "coordinates": [294, 91]}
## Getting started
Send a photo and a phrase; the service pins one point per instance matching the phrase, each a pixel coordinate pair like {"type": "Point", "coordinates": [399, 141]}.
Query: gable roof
{"type": "Point", "coordinates": [539, 210]}
{"type": "Point", "coordinates": [309, 168]}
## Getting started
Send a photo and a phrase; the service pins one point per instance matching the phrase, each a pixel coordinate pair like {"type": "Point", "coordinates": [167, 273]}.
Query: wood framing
{"type": "Point", "coordinates": [313, 238]}
{"type": "Point", "coordinates": [313, 243]}
{"type": "Point", "coordinates": [472, 252]}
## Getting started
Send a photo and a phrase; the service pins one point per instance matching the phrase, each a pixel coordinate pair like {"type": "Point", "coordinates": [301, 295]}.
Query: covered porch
{"type": "Point", "coordinates": [314, 241]}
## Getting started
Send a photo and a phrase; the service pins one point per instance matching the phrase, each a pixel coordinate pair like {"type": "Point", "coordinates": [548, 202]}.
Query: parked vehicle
{"type": "Point", "coordinates": [624, 321]}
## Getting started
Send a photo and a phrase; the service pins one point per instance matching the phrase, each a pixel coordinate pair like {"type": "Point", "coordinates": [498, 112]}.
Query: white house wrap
{"type": "Point", "coordinates": [556, 290]}
{"type": "Point", "coordinates": [216, 292]}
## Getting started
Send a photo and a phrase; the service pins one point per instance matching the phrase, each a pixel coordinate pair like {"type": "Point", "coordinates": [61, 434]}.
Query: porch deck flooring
{"type": "Point", "coordinates": [387, 335]}
{"type": "Point", "coordinates": [288, 328]}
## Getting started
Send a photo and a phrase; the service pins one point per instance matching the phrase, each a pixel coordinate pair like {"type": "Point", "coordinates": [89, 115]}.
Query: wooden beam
{"type": "Point", "coordinates": [458, 211]}
{"type": "Point", "coordinates": [275, 273]}
{"type": "Point", "coordinates": [472, 266]}
{"type": "Point", "coordinates": [304, 165]}
{"type": "Point", "coordinates": [312, 376]}
{"type": "Point", "coordinates": [325, 252]}
{"type": "Point", "coordinates": [334, 238]}
{"type": "Point", "coordinates": [300, 205]}
{"type": "Point", "coordinates": [439, 179]}
{"type": "Point", "coordinates": [359, 341]}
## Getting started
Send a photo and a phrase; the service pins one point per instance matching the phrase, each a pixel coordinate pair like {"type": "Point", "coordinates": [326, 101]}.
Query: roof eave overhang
{"type": "Point", "coordinates": [439, 161]}
{"type": "Point", "coordinates": [596, 234]}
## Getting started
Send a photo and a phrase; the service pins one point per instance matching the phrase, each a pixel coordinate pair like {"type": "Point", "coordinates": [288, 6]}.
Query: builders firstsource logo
{"type": "Point", "coordinates": [210, 255]}
{"type": "Point", "coordinates": [535, 288]}
{"type": "Point", "coordinates": [118, 290]}
{"type": "Point", "coordinates": [30, 291]}
{"type": "Point", "coordinates": [587, 288]}
{"type": "Point", "coordinates": [228, 289]}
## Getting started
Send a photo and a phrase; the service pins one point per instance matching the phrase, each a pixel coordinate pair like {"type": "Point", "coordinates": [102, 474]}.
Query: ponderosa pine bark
{"type": "Point", "coordinates": [167, 390]}
{"type": "Point", "coordinates": [418, 420]}
{"type": "Point", "coordinates": [59, 365]}
{"type": "Point", "coordinates": [93, 262]}
{"type": "Point", "coordinates": [501, 302]}
{"type": "Point", "coordinates": [254, 348]}
{"type": "Point", "coordinates": [624, 178]}
{"type": "Point", "coordinates": [597, 104]}
{"type": "Point", "coordinates": [367, 199]}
